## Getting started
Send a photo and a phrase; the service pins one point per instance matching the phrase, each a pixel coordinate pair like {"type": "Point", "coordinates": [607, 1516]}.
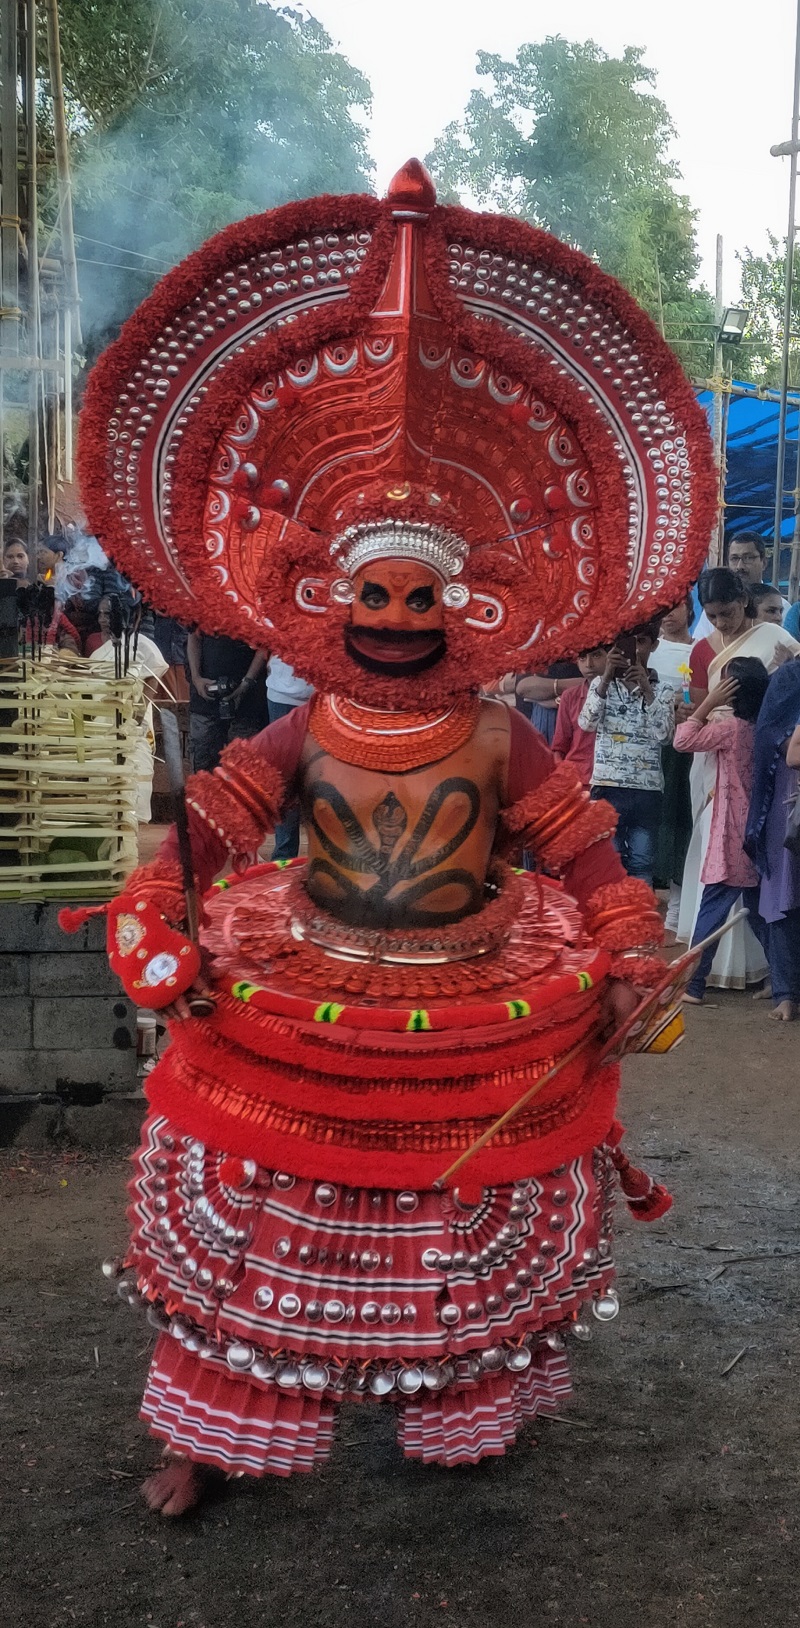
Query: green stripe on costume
{"type": "Point", "coordinates": [518, 1009]}
{"type": "Point", "coordinates": [328, 1012]}
{"type": "Point", "coordinates": [418, 1020]}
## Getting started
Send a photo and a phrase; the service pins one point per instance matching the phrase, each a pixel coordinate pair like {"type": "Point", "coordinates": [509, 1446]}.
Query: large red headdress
{"type": "Point", "coordinates": [347, 378]}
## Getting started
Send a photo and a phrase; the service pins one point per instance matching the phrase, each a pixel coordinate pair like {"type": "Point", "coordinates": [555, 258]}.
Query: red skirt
{"type": "Point", "coordinates": [280, 1297]}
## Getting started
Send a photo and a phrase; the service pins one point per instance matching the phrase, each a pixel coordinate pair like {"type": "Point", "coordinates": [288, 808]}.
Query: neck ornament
{"type": "Point", "coordinates": [393, 741]}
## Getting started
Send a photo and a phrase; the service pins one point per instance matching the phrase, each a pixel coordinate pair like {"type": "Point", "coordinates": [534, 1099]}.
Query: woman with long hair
{"type": "Point", "coordinates": [728, 874]}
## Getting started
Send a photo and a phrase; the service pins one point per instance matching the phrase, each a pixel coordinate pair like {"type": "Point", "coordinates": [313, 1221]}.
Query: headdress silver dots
{"type": "Point", "coordinates": [444, 551]}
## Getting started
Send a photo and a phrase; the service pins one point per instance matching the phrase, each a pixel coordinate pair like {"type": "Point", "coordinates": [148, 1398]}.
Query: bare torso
{"type": "Point", "coordinates": [410, 849]}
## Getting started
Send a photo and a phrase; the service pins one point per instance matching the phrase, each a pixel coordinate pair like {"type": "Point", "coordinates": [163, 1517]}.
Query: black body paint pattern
{"type": "Point", "coordinates": [403, 864]}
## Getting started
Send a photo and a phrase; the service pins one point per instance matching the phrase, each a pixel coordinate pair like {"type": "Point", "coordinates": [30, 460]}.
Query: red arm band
{"type": "Point", "coordinates": [558, 820]}
{"type": "Point", "coordinates": [229, 811]}
{"type": "Point", "coordinates": [623, 917]}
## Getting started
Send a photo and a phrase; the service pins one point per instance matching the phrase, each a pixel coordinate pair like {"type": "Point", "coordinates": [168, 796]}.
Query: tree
{"type": "Point", "coordinates": [186, 115]}
{"type": "Point", "coordinates": [574, 141]}
{"type": "Point", "coordinates": [764, 291]}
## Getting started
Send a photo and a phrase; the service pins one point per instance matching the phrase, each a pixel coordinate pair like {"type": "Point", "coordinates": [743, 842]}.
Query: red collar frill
{"type": "Point", "coordinates": [394, 741]}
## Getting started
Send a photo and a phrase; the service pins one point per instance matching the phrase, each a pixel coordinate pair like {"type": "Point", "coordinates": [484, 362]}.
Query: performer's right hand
{"type": "Point", "coordinates": [197, 1001]}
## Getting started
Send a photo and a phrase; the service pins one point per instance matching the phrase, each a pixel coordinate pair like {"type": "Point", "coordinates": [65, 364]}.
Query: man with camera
{"type": "Point", "coordinates": [227, 696]}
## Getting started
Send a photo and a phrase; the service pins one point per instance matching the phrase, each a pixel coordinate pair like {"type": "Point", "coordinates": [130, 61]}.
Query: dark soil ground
{"type": "Point", "coordinates": [666, 1495]}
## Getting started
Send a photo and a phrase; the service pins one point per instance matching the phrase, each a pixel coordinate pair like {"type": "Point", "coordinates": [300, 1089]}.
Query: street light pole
{"type": "Point", "coordinates": [715, 551]}
{"type": "Point", "coordinates": [782, 150]}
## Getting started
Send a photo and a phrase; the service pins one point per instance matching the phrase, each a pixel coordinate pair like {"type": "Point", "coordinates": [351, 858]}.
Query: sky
{"type": "Point", "coordinates": [727, 85]}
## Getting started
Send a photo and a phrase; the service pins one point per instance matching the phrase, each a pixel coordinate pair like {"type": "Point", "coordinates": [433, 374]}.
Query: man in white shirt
{"type": "Point", "coordinates": [747, 555]}
{"type": "Point", "coordinates": [149, 664]}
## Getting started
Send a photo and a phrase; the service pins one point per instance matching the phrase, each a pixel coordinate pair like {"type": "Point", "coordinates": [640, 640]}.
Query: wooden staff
{"type": "Point", "coordinates": [199, 1005]}
{"type": "Point", "coordinates": [516, 1107]}
{"type": "Point", "coordinates": [610, 1050]}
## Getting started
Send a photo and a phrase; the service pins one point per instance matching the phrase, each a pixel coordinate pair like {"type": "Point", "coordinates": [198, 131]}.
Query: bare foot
{"type": "Point", "coordinates": [176, 1487]}
{"type": "Point", "coordinates": [784, 1012]}
{"type": "Point", "coordinates": [693, 1000]}
{"type": "Point", "coordinates": [764, 993]}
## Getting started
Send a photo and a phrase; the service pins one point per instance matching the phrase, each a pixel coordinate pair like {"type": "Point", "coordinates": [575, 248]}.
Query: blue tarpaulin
{"type": "Point", "coordinates": [752, 452]}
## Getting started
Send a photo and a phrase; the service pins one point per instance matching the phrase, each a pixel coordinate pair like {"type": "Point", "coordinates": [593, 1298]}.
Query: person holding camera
{"type": "Point", "coordinates": [227, 696]}
{"type": "Point", "coordinates": [632, 715]}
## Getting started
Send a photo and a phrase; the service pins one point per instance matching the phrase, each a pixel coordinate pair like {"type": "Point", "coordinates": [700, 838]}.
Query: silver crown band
{"type": "Point", "coordinates": [432, 545]}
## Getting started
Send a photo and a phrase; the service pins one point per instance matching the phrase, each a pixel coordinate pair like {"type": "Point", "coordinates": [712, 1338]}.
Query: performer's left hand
{"type": "Point", "coordinates": [619, 1000]}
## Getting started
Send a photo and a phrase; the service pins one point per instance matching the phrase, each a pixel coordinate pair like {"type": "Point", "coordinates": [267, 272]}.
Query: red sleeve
{"type": "Point", "coordinates": [281, 745]}
{"type": "Point", "coordinates": [592, 869]}
{"type": "Point", "coordinates": [530, 762]}
{"type": "Point", "coordinates": [568, 708]}
{"type": "Point", "coordinates": [530, 759]}
{"type": "Point", "coordinates": [700, 660]}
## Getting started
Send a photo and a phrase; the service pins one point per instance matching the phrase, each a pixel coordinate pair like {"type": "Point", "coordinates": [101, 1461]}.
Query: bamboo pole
{"type": "Point", "coordinates": [63, 175]}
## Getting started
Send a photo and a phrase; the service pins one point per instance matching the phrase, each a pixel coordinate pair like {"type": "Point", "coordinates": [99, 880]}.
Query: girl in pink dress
{"type": "Point", "coordinates": [727, 872]}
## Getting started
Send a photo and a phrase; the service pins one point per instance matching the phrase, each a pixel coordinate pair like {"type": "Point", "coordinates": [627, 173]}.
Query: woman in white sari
{"type": "Point", "coordinates": [740, 959]}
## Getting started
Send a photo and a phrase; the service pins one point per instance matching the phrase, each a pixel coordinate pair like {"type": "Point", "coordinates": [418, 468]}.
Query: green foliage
{"type": "Point", "coordinates": [758, 358]}
{"type": "Point", "coordinates": [188, 114]}
{"type": "Point", "coordinates": [575, 141]}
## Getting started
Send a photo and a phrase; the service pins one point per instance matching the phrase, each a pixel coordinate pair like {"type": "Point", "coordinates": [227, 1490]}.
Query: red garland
{"type": "Point", "coordinates": [352, 1057]}
{"type": "Point", "coordinates": [478, 1083]}
{"type": "Point", "coordinates": [587, 1128]}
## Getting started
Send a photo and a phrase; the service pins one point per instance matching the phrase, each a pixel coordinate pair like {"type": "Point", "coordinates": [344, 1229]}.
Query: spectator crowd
{"type": "Point", "coordinates": [694, 738]}
{"type": "Point", "coordinates": [688, 726]}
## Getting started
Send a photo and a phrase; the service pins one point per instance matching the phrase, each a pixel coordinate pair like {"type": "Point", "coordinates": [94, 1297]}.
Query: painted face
{"type": "Point", "coordinates": [726, 616]}
{"type": "Point", "coordinates": [396, 620]}
{"type": "Point", "coordinates": [745, 560]}
{"type": "Point", "coordinates": [770, 609]}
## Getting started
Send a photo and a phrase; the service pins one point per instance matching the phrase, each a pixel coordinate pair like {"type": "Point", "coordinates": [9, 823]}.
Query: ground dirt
{"type": "Point", "coordinates": [667, 1494]}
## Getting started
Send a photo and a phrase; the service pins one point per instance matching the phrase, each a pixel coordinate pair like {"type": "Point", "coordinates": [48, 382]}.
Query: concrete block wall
{"type": "Point", "coordinates": [68, 1066]}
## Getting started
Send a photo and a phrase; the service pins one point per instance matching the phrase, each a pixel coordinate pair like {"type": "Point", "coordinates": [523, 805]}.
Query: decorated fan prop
{"type": "Point", "coordinates": [656, 1025]}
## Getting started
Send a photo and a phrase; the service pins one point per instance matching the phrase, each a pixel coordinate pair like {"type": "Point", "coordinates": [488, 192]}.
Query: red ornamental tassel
{"type": "Point", "coordinates": [647, 1200]}
{"type": "Point", "coordinates": [71, 921]}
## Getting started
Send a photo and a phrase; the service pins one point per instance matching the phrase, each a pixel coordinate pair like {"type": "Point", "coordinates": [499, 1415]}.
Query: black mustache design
{"type": "Point", "coordinates": [387, 635]}
{"type": "Point", "coordinates": [405, 668]}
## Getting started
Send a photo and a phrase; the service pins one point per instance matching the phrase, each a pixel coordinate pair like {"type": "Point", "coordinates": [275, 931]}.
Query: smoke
{"type": "Point", "coordinates": [248, 109]}
{"type": "Point", "coordinates": [83, 559]}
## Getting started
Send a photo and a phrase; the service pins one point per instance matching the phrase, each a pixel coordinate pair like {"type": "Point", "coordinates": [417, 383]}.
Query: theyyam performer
{"type": "Point", "coordinates": [407, 448]}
